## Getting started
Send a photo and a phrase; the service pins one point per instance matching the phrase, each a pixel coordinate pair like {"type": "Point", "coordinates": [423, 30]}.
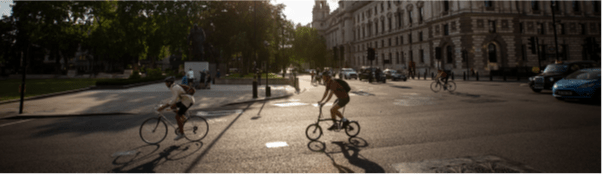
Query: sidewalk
{"type": "Point", "coordinates": [136, 100]}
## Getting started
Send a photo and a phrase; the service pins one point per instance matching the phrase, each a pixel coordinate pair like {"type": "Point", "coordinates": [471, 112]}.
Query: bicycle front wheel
{"type": "Point", "coordinates": [451, 86]}
{"type": "Point", "coordinates": [195, 128]}
{"type": "Point", "coordinates": [352, 129]}
{"type": "Point", "coordinates": [313, 132]}
{"type": "Point", "coordinates": [153, 130]}
{"type": "Point", "coordinates": [435, 87]}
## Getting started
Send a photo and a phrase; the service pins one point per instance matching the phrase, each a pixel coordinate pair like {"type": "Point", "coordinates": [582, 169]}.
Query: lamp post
{"type": "Point", "coordinates": [554, 25]}
{"type": "Point", "coordinates": [267, 62]}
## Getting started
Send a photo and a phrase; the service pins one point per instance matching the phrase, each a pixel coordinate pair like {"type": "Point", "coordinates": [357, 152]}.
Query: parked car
{"type": "Point", "coordinates": [582, 84]}
{"type": "Point", "coordinates": [555, 72]}
{"type": "Point", "coordinates": [349, 73]}
{"type": "Point", "coordinates": [394, 75]}
{"type": "Point", "coordinates": [365, 73]}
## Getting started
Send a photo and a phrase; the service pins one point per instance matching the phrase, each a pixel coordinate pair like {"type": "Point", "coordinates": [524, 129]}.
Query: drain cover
{"type": "Point", "coordinates": [478, 164]}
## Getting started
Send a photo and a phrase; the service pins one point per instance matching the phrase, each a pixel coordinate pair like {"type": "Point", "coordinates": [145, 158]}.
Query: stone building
{"type": "Point", "coordinates": [492, 34]}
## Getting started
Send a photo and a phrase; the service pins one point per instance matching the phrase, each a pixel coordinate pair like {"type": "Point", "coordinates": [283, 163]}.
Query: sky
{"type": "Point", "coordinates": [299, 11]}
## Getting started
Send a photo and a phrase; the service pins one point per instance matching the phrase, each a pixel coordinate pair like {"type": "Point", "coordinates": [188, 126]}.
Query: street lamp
{"type": "Point", "coordinates": [267, 62]}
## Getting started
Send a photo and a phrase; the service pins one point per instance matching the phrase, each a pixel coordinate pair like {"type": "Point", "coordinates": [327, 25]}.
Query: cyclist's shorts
{"type": "Point", "coordinates": [343, 101]}
{"type": "Point", "coordinates": [182, 108]}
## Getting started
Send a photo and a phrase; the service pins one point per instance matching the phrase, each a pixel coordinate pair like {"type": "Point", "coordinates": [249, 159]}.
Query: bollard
{"type": "Point", "coordinates": [418, 76]}
{"type": "Point", "coordinates": [254, 89]}
{"type": "Point", "coordinates": [464, 75]}
{"type": "Point", "coordinates": [490, 76]}
{"type": "Point", "coordinates": [504, 75]}
{"type": "Point", "coordinates": [268, 91]}
{"type": "Point", "coordinates": [517, 77]}
{"type": "Point", "coordinates": [432, 76]}
{"type": "Point", "coordinates": [452, 74]}
{"type": "Point", "coordinates": [424, 75]}
{"type": "Point", "coordinates": [477, 76]}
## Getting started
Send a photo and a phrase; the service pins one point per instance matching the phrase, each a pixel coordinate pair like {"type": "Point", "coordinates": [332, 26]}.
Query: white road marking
{"type": "Point", "coordinates": [16, 122]}
{"type": "Point", "coordinates": [287, 104]}
{"type": "Point", "coordinates": [218, 113]}
{"type": "Point", "coordinates": [276, 144]}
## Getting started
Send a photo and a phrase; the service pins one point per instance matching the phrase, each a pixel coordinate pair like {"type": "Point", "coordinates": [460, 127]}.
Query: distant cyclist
{"type": "Point", "coordinates": [180, 99]}
{"type": "Point", "coordinates": [441, 75]}
{"type": "Point", "coordinates": [341, 94]}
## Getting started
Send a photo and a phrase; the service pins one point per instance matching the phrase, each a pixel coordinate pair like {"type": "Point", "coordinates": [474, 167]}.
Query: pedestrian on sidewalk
{"type": "Point", "coordinates": [190, 76]}
{"type": "Point", "coordinates": [203, 74]}
{"type": "Point", "coordinates": [184, 79]}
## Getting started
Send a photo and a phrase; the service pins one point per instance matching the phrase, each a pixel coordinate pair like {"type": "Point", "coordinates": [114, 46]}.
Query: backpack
{"type": "Point", "coordinates": [343, 84]}
{"type": "Point", "coordinates": [188, 89]}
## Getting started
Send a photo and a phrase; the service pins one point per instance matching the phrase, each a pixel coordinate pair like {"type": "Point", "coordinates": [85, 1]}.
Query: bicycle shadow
{"type": "Point", "coordinates": [171, 153]}
{"type": "Point", "coordinates": [354, 158]}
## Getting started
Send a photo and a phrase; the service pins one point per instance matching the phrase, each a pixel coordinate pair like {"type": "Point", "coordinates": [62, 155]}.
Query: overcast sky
{"type": "Point", "coordinates": [299, 11]}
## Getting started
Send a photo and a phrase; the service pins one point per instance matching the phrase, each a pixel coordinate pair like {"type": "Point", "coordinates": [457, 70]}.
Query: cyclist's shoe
{"type": "Point", "coordinates": [180, 136]}
{"type": "Point", "coordinates": [345, 124]}
{"type": "Point", "coordinates": [334, 127]}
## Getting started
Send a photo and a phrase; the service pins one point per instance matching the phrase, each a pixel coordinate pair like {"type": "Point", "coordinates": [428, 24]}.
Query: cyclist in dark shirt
{"type": "Point", "coordinates": [342, 96]}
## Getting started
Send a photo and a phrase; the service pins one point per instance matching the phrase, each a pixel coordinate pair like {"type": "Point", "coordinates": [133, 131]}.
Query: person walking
{"type": "Point", "coordinates": [190, 76]}
{"type": "Point", "coordinates": [184, 79]}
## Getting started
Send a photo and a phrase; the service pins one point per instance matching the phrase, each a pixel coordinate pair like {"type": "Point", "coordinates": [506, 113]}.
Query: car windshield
{"type": "Point", "coordinates": [555, 68]}
{"type": "Point", "coordinates": [585, 75]}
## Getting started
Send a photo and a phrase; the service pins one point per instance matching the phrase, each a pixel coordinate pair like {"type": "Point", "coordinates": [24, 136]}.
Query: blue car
{"type": "Point", "coordinates": [582, 84]}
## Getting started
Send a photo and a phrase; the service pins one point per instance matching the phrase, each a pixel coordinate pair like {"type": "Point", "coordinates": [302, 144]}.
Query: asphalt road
{"type": "Point", "coordinates": [401, 122]}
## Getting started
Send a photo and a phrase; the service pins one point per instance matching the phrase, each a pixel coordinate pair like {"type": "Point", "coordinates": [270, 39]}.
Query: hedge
{"type": "Point", "coordinates": [121, 82]}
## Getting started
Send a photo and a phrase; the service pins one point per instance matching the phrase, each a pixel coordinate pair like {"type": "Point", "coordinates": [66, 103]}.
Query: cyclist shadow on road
{"type": "Point", "coordinates": [171, 153]}
{"type": "Point", "coordinates": [354, 145]}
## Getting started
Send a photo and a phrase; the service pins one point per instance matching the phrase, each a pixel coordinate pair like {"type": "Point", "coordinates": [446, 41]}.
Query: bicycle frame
{"type": "Point", "coordinates": [327, 119]}
{"type": "Point", "coordinates": [162, 117]}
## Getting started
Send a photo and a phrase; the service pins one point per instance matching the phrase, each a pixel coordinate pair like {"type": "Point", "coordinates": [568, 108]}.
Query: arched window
{"type": "Point", "coordinates": [492, 51]}
{"type": "Point", "coordinates": [449, 54]}
{"type": "Point", "coordinates": [397, 57]}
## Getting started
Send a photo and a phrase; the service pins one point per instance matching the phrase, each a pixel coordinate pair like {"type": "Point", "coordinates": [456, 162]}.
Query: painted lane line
{"type": "Point", "coordinates": [16, 122]}
{"type": "Point", "coordinates": [276, 144]}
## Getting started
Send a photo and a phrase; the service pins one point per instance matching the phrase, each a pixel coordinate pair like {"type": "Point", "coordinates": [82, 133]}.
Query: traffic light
{"type": "Point", "coordinates": [371, 54]}
{"type": "Point", "coordinates": [532, 45]}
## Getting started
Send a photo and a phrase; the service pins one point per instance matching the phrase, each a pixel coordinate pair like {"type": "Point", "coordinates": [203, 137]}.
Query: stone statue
{"type": "Point", "coordinates": [196, 39]}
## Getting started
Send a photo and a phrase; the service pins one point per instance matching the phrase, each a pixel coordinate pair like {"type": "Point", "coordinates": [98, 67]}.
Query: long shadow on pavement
{"type": "Point", "coordinates": [171, 153]}
{"type": "Point", "coordinates": [354, 144]}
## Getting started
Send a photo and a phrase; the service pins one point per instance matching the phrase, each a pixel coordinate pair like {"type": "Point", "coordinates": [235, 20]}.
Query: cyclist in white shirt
{"type": "Point", "coordinates": [180, 101]}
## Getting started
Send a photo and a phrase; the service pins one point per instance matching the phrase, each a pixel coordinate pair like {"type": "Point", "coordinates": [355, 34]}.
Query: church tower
{"type": "Point", "coordinates": [320, 12]}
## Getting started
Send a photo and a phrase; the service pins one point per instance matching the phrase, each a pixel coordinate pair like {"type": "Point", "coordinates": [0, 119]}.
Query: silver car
{"type": "Point", "coordinates": [349, 73]}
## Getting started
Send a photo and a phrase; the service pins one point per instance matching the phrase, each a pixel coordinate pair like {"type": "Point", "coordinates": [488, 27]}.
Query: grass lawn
{"type": "Point", "coordinates": [10, 87]}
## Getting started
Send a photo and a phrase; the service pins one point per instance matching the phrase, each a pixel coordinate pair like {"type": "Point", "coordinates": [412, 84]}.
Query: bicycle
{"type": "Point", "coordinates": [153, 132]}
{"type": "Point", "coordinates": [437, 84]}
{"type": "Point", "coordinates": [314, 131]}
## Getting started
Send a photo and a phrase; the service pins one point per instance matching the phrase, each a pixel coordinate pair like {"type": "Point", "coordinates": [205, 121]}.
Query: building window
{"type": "Point", "coordinates": [446, 5]}
{"type": "Point", "coordinates": [420, 36]}
{"type": "Point", "coordinates": [410, 16]}
{"type": "Point", "coordinates": [382, 42]}
{"type": "Point", "coordinates": [524, 52]}
{"type": "Point", "coordinates": [403, 61]}
{"type": "Point", "coordinates": [382, 7]}
{"type": "Point", "coordinates": [421, 56]}
{"type": "Point", "coordinates": [390, 58]}
{"type": "Point", "coordinates": [421, 14]}
{"type": "Point", "coordinates": [555, 6]}
{"type": "Point", "coordinates": [449, 54]}
{"type": "Point", "coordinates": [582, 29]}
{"type": "Point", "coordinates": [445, 29]}
{"type": "Point", "coordinates": [396, 41]}
{"type": "Point", "coordinates": [562, 32]}
{"type": "Point", "coordinates": [401, 40]}
{"type": "Point", "coordinates": [376, 25]}
{"type": "Point", "coordinates": [576, 7]}
{"type": "Point", "coordinates": [522, 30]}
{"type": "Point", "coordinates": [492, 27]}
{"type": "Point", "coordinates": [534, 5]}
{"type": "Point", "coordinates": [389, 4]}
{"type": "Point", "coordinates": [540, 28]}
{"type": "Point", "coordinates": [488, 4]}
{"type": "Point", "coordinates": [596, 6]}
{"type": "Point", "coordinates": [399, 20]}
{"type": "Point", "coordinates": [382, 25]}
{"type": "Point", "coordinates": [492, 53]}
{"type": "Point", "coordinates": [389, 41]}
{"type": "Point", "coordinates": [397, 57]}
{"type": "Point", "coordinates": [410, 38]}
{"type": "Point", "coordinates": [390, 25]}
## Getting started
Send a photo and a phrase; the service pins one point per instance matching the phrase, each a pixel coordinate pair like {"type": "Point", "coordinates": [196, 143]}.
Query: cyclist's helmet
{"type": "Point", "coordinates": [170, 79]}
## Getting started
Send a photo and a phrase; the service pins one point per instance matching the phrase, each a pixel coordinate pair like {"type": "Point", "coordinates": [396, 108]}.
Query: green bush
{"type": "Point", "coordinates": [154, 72]}
{"type": "Point", "coordinates": [121, 82]}
{"type": "Point", "coordinates": [135, 75]}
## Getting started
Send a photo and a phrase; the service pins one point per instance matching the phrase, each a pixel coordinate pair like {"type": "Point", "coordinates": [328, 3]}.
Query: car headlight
{"type": "Point", "coordinates": [555, 85]}
{"type": "Point", "coordinates": [587, 85]}
{"type": "Point", "coordinates": [530, 78]}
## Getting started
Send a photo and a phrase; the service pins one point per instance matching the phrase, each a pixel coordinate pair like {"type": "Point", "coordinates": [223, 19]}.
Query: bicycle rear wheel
{"type": "Point", "coordinates": [451, 86]}
{"type": "Point", "coordinates": [352, 129]}
{"type": "Point", "coordinates": [195, 128]}
{"type": "Point", "coordinates": [313, 131]}
{"type": "Point", "coordinates": [435, 87]}
{"type": "Point", "coordinates": [153, 130]}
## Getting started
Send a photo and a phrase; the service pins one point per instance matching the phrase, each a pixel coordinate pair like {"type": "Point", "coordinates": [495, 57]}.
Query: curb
{"type": "Point", "coordinates": [259, 99]}
{"type": "Point", "coordinates": [28, 116]}
{"type": "Point", "coordinates": [126, 86]}
{"type": "Point", "coordinates": [47, 95]}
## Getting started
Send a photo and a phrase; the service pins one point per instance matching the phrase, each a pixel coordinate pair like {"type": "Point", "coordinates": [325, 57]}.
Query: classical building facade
{"type": "Point", "coordinates": [480, 35]}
